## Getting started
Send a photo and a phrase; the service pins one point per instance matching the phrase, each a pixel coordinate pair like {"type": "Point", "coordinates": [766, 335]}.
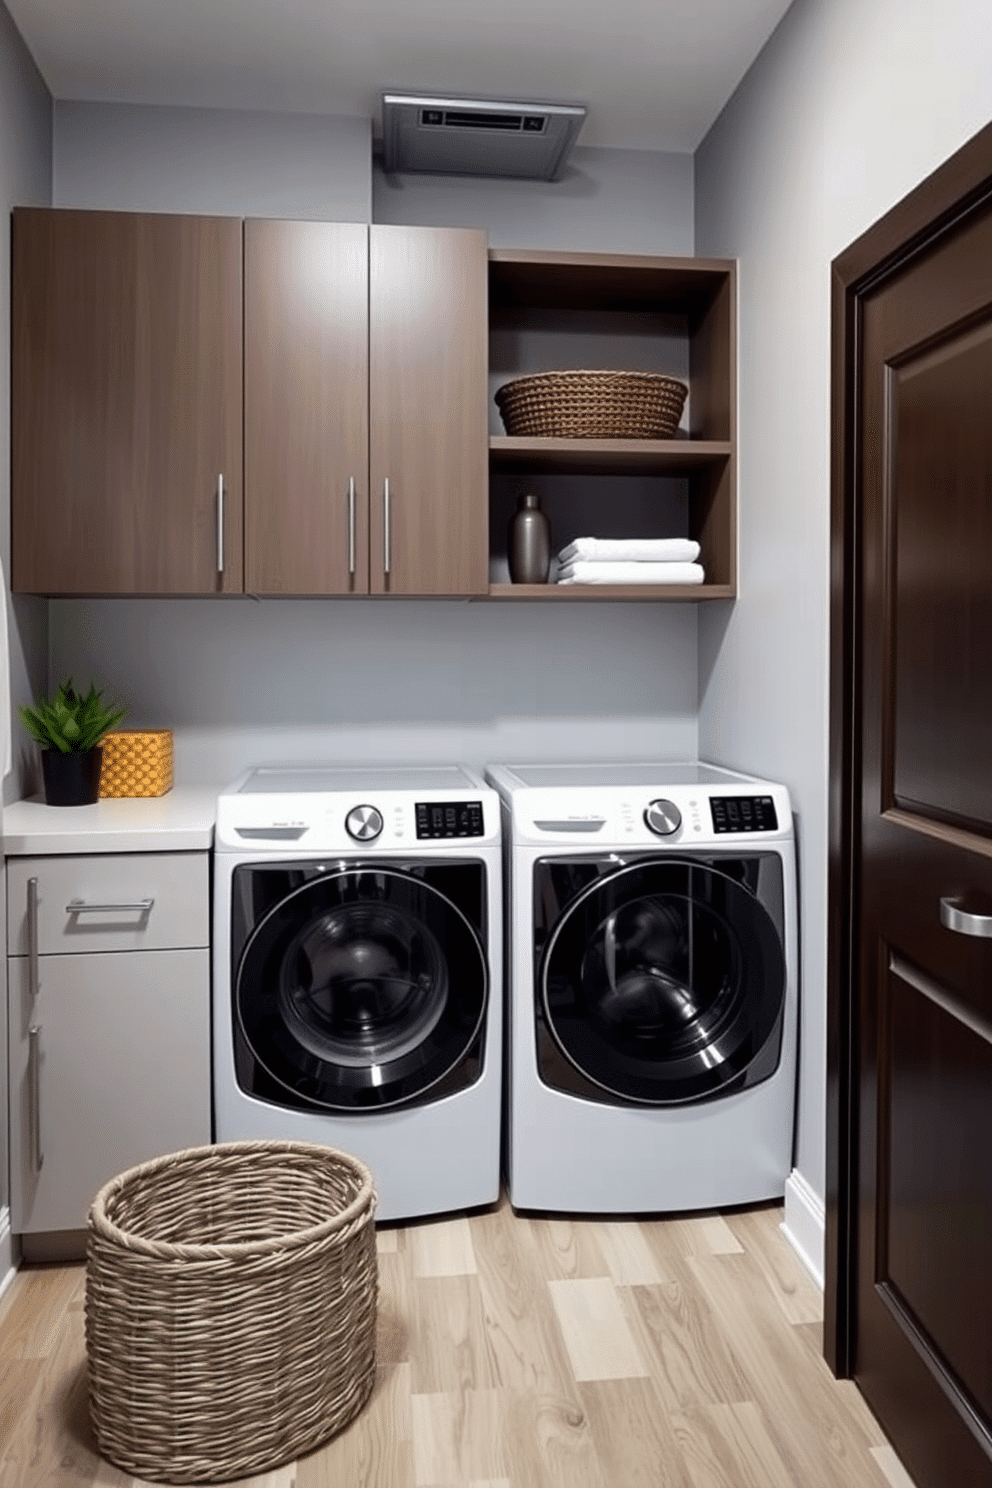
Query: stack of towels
{"type": "Point", "coordinates": [630, 560]}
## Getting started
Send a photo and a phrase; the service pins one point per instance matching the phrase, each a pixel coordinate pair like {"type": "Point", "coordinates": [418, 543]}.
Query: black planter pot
{"type": "Point", "coordinates": [71, 779]}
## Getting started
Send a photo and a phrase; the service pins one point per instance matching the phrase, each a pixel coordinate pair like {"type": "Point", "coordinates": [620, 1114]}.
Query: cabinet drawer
{"type": "Point", "coordinates": [110, 902]}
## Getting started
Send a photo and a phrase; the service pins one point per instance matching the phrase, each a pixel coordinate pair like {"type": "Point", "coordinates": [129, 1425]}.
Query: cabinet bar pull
{"type": "Point", "coordinates": [33, 936]}
{"type": "Point", "coordinates": [220, 523]}
{"type": "Point", "coordinates": [386, 535]}
{"type": "Point", "coordinates": [351, 524]}
{"type": "Point", "coordinates": [953, 917]}
{"type": "Point", "coordinates": [34, 1096]}
{"type": "Point", "coordinates": [82, 906]}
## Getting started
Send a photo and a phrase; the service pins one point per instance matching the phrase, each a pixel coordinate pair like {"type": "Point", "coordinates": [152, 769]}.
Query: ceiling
{"type": "Point", "coordinates": [653, 73]}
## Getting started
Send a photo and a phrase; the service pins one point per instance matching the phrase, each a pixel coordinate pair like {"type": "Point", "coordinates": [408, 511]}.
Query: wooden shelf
{"type": "Point", "coordinates": [605, 456]}
{"type": "Point", "coordinates": [563, 592]}
{"type": "Point", "coordinates": [670, 315]}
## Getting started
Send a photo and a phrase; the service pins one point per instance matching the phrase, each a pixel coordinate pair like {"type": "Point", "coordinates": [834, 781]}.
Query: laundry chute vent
{"type": "Point", "coordinates": [478, 137]}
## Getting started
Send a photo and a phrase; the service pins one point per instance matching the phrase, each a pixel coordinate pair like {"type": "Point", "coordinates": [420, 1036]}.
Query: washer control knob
{"type": "Point", "coordinates": [663, 818]}
{"type": "Point", "coordinates": [364, 823]}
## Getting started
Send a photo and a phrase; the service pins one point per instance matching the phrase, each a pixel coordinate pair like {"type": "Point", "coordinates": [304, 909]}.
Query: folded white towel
{"type": "Point", "coordinates": [591, 572]}
{"type": "Point", "coordinates": [632, 549]}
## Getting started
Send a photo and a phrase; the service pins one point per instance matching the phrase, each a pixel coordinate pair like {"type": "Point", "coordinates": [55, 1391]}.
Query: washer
{"type": "Point", "coordinates": [652, 986]}
{"type": "Point", "coordinates": [358, 973]}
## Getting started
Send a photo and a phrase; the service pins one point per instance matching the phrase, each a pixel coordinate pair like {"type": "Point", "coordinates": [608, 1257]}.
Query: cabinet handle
{"type": "Point", "coordinates": [34, 1095]}
{"type": "Point", "coordinates": [953, 917]}
{"type": "Point", "coordinates": [220, 523]}
{"type": "Point", "coordinates": [387, 546]}
{"type": "Point", "coordinates": [33, 936]}
{"type": "Point", "coordinates": [351, 524]}
{"type": "Point", "coordinates": [82, 906]}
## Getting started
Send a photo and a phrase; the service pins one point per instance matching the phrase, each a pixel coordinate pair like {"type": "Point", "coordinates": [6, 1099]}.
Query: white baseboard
{"type": "Point", "coordinates": [8, 1262]}
{"type": "Point", "coordinates": [804, 1224]}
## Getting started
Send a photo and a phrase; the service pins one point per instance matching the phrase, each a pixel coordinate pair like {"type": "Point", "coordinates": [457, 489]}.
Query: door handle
{"type": "Point", "coordinates": [953, 917]}
{"type": "Point", "coordinates": [387, 546]}
{"type": "Point", "coordinates": [34, 1095]}
{"type": "Point", "coordinates": [351, 524]}
{"type": "Point", "coordinates": [33, 937]}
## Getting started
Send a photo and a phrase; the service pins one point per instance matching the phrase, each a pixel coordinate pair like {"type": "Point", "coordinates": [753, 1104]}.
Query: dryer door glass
{"type": "Point", "coordinates": [360, 989]}
{"type": "Point", "coordinates": [664, 982]}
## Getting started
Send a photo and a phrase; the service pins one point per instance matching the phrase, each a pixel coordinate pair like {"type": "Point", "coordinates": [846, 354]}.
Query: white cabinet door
{"type": "Point", "coordinates": [117, 1072]}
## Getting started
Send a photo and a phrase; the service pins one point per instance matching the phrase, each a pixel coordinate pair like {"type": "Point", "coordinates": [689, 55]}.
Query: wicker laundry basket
{"type": "Point", "coordinates": [592, 405]}
{"type": "Point", "coordinates": [230, 1308]}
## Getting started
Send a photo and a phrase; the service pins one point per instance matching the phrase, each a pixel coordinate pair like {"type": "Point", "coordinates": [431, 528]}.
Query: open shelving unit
{"type": "Point", "coordinates": [549, 311]}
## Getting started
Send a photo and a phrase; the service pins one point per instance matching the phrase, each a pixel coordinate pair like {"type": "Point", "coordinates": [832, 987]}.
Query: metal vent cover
{"type": "Point", "coordinates": [478, 136]}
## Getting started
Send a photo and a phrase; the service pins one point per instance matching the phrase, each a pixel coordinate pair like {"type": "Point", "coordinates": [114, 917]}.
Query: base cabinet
{"type": "Point", "coordinates": [109, 1050]}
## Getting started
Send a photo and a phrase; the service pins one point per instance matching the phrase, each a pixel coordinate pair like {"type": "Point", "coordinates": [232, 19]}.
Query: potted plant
{"type": "Point", "coordinates": [69, 729]}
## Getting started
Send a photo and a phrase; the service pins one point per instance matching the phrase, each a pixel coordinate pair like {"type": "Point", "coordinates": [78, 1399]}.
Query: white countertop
{"type": "Point", "coordinates": [180, 821]}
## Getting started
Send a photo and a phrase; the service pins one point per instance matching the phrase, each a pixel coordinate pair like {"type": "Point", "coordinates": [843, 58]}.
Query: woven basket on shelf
{"type": "Point", "coordinates": [136, 762]}
{"type": "Point", "coordinates": [230, 1308]}
{"type": "Point", "coordinates": [593, 405]}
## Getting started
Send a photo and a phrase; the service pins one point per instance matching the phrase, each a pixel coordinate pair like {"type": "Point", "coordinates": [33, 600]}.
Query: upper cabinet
{"type": "Point", "coordinates": [555, 311]}
{"type": "Point", "coordinates": [427, 411]}
{"type": "Point", "coordinates": [205, 405]}
{"type": "Point", "coordinates": [126, 427]}
{"type": "Point", "coordinates": [365, 409]}
{"type": "Point", "coordinates": [306, 408]}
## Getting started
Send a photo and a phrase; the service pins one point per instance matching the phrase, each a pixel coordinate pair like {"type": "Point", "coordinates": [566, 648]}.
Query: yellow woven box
{"type": "Point", "coordinates": [137, 763]}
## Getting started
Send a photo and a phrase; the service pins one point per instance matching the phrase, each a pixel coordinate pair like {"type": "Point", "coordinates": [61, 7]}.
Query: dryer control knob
{"type": "Point", "coordinates": [364, 823]}
{"type": "Point", "coordinates": [663, 818]}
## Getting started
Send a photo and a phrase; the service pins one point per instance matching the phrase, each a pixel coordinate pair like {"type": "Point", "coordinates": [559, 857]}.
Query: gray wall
{"type": "Point", "coordinates": [847, 108]}
{"type": "Point", "coordinates": [121, 157]}
{"type": "Point", "coordinates": [243, 681]}
{"type": "Point", "coordinates": [608, 201]}
{"type": "Point", "coordinates": [25, 180]}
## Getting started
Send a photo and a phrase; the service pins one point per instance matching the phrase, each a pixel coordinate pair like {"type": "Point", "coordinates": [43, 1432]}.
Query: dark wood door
{"type": "Point", "coordinates": [306, 408]}
{"type": "Point", "coordinates": [126, 427]}
{"type": "Point", "coordinates": [923, 1232]}
{"type": "Point", "coordinates": [429, 441]}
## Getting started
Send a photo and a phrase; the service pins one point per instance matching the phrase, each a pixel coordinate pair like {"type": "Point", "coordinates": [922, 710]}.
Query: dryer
{"type": "Point", "coordinates": [358, 973]}
{"type": "Point", "coordinates": [652, 990]}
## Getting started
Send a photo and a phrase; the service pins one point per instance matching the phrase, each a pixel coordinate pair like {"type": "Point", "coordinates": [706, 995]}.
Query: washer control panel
{"type": "Point", "coordinates": [449, 819]}
{"type": "Point", "coordinates": [743, 814]}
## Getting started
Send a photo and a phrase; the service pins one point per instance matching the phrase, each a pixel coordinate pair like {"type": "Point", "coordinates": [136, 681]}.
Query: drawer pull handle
{"type": "Point", "coordinates": [33, 936]}
{"type": "Point", "coordinates": [351, 524]}
{"type": "Point", "coordinates": [34, 1095]}
{"type": "Point", "coordinates": [80, 906]}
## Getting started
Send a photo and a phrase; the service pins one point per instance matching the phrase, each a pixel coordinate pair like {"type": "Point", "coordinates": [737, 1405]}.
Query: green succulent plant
{"type": "Point", "coordinates": [70, 720]}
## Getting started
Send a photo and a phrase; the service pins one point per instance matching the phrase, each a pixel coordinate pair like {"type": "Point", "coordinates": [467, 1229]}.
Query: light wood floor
{"type": "Point", "coordinates": [521, 1352]}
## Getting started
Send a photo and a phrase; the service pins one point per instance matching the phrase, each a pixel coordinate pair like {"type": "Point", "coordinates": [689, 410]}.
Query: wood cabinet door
{"type": "Point", "coordinates": [428, 426]}
{"type": "Point", "coordinates": [126, 403]}
{"type": "Point", "coordinates": [109, 1067]}
{"type": "Point", "coordinates": [306, 408]}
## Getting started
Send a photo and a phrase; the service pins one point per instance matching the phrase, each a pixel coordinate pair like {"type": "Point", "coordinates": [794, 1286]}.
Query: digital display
{"type": "Point", "coordinates": [743, 814]}
{"type": "Point", "coordinates": [437, 819]}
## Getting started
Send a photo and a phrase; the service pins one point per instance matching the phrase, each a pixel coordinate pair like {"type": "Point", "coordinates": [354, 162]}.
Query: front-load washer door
{"type": "Point", "coordinates": [361, 989]}
{"type": "Point", "coordinates": [663, 982]}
